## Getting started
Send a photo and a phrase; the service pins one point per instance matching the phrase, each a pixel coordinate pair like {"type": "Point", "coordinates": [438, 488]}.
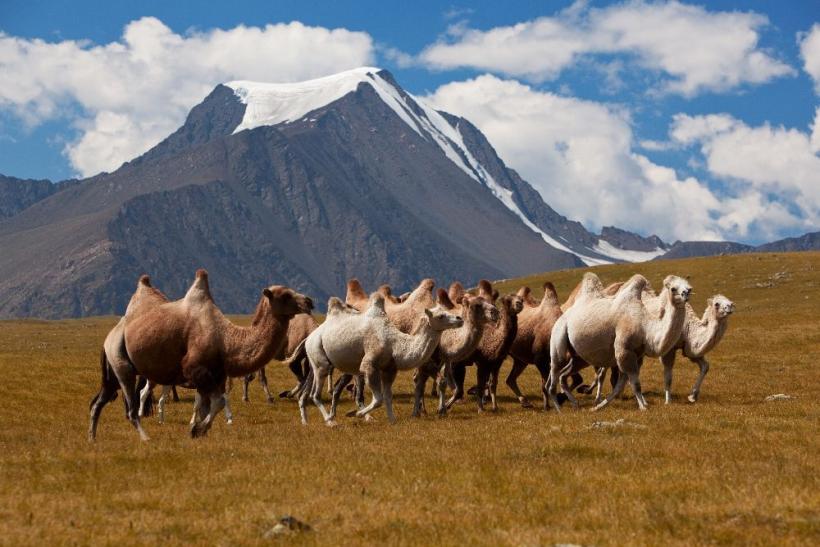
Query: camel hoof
{"type": "Point", "coordinates": [525, 403]}
{"type": "Point", "coordinates": [284, 394]}
{"type": "Point", "coordinates": [270, 400]}
{"type": "Point", "coordinates": [473, 390]}
{"type": "Point", "coordinates": [369, 418]}
{"type": "Point", "coordinates": [352, 413]}
{"type": "Point", "coordinates": [692, 399]}
{"type": "Point", "coordinates": [584, 389]}
{"type": "Point", "coordinates": [229, 421]}
{"type": "Point", "coordinates": [198, 431]}
{"type": "Point", "coordinates": [331, 423]}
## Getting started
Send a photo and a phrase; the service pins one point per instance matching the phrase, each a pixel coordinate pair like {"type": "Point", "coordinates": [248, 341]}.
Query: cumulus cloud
{"type": "Point", "coordinates": [810, 51]}
{"type": "Point", "coordinates": [774, 161]}
{"type": "Point", "coordinates": [693, 49]}
{"type": "Point", "coordinates": [580, 156]}
{"type": "Point", "coordinates": [134, 92]}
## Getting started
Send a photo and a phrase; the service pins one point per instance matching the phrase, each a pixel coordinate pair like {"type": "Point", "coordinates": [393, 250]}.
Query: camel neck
{"type": "Point", "coordinates": [418, 347]}
{"type": "Point", "coordinates": [664, 331]}
{"type": "Point", "coordinates": [706, 333]}
{"type": "Point", "coordinates": [248, 349]}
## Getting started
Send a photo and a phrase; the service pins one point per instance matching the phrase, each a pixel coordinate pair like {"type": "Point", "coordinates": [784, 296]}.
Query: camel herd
{"type": "Point", "coordinates": [369, 338]}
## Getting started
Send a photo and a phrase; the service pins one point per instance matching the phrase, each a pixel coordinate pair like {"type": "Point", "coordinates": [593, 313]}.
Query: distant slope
{"type": "Point", "coordinates": [19, 194]}
{"type": "Point", "coordinates": [806, 242]}
{"type": "Point", "coordinates": [686, 249]}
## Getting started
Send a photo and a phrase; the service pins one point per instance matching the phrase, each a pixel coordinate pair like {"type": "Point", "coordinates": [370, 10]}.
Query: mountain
{"type": "Point", "coordinates": [305, 184]}
{"type": "Point", "coordinates": [19, 194]}
{"type": "Point", "coordinates": [806, 242]}
{"type": "Point", "coordinates": [688, 249]}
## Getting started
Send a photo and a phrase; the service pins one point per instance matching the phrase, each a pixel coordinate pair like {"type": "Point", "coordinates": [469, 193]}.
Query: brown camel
{"type": "Point", "coordinates": [299, 328]}
{"type": "Point", "coordinates": [491, 351]}
{"type": "Point", "coordinates": [190, 342]}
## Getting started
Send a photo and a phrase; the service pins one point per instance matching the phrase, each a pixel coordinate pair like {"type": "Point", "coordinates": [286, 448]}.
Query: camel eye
{"type": "Point", "coordinates": [674, 289]}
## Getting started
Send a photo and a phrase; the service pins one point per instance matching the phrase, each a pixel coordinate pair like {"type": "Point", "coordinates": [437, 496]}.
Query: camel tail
{"type": "Point", "coordinates": [298, 354]}
{"type": "Point", "coordinates": [105, 378]}
{"type": "Point", "coordinates": [559, 343]}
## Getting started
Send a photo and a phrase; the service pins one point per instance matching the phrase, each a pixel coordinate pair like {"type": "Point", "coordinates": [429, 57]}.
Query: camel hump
{"type": "Point", "coordinates": [485, 289]}
{"type": "Point", "coordinates": [385, 290]}
{"type": "Point", "coordinates": [427, 284]}
{"type": "Point", "coordinates": [633, 288]}
{"type": "Point", "coordinates": [550, 294]}
{"type": "Point", "coordinates": [613, 289]}
{"type": "Point", "coordinates": [444, 299]}
{"type": "Point", "coordinates": [144, 280]}
{"type": "Point", "coordinates": [591, 285]}
{"type": "Point", "coordinates": [355, 290]}
{"type": "Point", "coordinates": [524, 292]}
{"type": "Point", "coordinates": [201, 288]}
{"type": "Point", "coordinates": [455, 292]}
{"type": "Point", "coordinates": [375, 305]}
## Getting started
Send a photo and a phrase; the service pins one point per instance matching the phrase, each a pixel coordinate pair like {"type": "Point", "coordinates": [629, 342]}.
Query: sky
{"type": "Point", "coordinates": [685, 120]}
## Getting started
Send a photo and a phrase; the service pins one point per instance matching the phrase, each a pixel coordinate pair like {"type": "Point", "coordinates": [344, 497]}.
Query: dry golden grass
{"type": "Point", "coordinates": [731, 469]}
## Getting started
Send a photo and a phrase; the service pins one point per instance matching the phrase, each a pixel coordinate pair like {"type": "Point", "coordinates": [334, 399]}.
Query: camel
{"type": "Point", "coordinates": [698, 337]}
{"type": "Point", "coordinates": [531, 343]}
{"type": "Point", "coordinates": [455, 346]}
{"type": "Point", "coordinates": [370, 343]}
{"type": "Point", "coordinates": [491, 351]}
{"type": "Point", "coordinates": [615, 332]}
{"type": "Point", "coordinates": [299, 328]}
{"type": "Point", "coordinates": [190, 342]}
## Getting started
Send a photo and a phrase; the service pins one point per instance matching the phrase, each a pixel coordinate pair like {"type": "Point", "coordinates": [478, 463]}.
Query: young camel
{"type": "Point", "coordinates": [698, 337]}
{"type": "Point", "coordinates": [615, 332]}
{"type": "Point", "coordinates": [455, 346]}
{"type": "Point", "coordinates": [491, 351]}
{"type": "Point", "coordinates": [370, 343]}
{"type": "Point", "coordinates": [190, 342]}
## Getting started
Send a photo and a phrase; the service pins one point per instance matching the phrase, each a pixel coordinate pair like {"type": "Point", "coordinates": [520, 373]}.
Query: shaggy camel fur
{"type": "Point", "coordinates": [615, 332]}
{"type": "Point", "coordinates": [455, 346]}
{"type": "Point", "coordinates": [491, 352]}
{"type": "Point", "coordinates": [698, 337]}
{"type": "Point", "coordinates": [370, 343]}
{"type": "Point", "coordinates": [190, 342]}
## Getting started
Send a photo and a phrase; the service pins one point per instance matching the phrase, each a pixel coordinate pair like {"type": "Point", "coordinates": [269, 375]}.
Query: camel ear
{"type": "Point", "coordinates": [267, 293]}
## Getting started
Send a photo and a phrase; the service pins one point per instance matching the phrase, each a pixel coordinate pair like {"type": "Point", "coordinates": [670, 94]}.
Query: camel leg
{"type": "Point", "coordinates": [330, 382]}
{"type": "Point", "coordinates": [246, 382]}
{"type": "Point", "coordinates": [374, 382]}
{"type": "Point", "coordinates": [512, 381]}
{"type": "Point", "coordinates": [600, 376]}
{"type": "Point", "coordinates": [419, 381]}
{"type": "Point", "coordinates": [496, 369]}
{"type": "Point", "coordinates": [577, 380]}
{"type": "Point", "coordinates": [703, 364]}
{"type": "Point", "coordinates": [445, 373]}
{"type": "Point", "coordinates": [263, 381]}
{"type": "Point", "coordinates": [228, 413]}
{"type": "Point", "coordinates": [338, 389]}
{"type": "Point", "coordinates": [127, 377]}
{"type": "Point", "coordinates": [108, 392]}
{"type": "Point", "coordinates": [146, 399]}
{"type": "Point", "coordinates": [217, 402]}
{"type": "Point", "coordinates": [571, 370]}
{"type": "Point", "coordinates": [388, 377]}
{"type": "Point", "coordinates": [616, 391]}
{"type": "Point", "coordinates": [166, 390]}
{"type": "Point", "coordinates": [543, 365]}
{"type": "Point", "coordinates": [459, 372]}
{"type": "Point", "coordinates": [668, 361]}
{"type": "Point", "coordinates": [304, 395]}
{"type": "Point", "coordinates": [482, 375]}
{"type": "Point", "coordinates": [320, 374]}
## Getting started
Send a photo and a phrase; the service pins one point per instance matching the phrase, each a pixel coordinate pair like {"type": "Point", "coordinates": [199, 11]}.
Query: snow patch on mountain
{"type": "Point", "coordinates": [273, 104]}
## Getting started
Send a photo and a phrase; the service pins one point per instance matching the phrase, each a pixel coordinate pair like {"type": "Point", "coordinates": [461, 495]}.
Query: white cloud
{"type": "Point", "coordinates": [136, 91]}
{"type": "Point", "coordinates": [810, 51]}
{"type": "Point", "coordinates": [778, 162]}
{"type": "Point", "coordinates": [579, 156]}
{"type": "Point", "coordinates": [696, 50]}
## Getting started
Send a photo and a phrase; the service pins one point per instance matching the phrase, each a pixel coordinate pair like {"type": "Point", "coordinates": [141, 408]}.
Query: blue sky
{"type": "Point", "coordinates": [615, 112]}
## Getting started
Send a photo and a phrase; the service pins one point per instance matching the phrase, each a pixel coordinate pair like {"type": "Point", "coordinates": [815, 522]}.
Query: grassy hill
{"type": "Point", "coordinates": [732, 469]}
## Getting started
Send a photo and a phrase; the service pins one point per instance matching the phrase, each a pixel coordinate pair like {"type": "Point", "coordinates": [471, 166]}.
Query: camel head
{"type": "Point", "coordinates": [285, 301]}
{"type": "Point", "coordinates": [335, 305]}
{"type": "Point", "coordinates": [512, 303]}
{"type": "Point", "coordinates": [387, 292]}
{"type": "Point", "coordinates": [479, 309]}
{"type": "Point", "coordinates": [440, 319]}
{"type": "Point", "coordinates": [679, 289]}
{"type": "Point", "coordinates": [722, 306]}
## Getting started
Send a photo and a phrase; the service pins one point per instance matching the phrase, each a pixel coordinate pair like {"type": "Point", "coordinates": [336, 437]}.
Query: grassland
{"type": "Point", "coordinates": [732, 469]}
